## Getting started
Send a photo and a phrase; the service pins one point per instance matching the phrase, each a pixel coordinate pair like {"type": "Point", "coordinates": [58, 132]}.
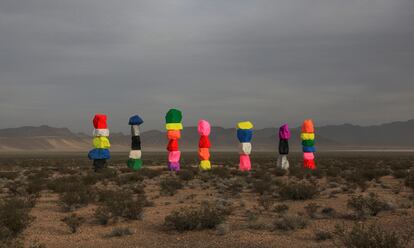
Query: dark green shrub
{"type": "Point", "coordinates": [73, 222]}
{"type": "Point", "coordinates": [371, 236]}
{"type": "Point", "coordinates": [298, 191]}
{"type": "Point", "coordinates": [169, 186]}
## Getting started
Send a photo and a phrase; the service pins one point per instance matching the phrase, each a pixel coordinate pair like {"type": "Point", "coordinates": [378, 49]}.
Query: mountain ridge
{"type": "Point", "coordinates": [397, 134]}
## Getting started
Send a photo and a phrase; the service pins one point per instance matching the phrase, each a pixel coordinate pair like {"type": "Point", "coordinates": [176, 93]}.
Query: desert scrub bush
{"type": "Point", "coordinates": [16, 188]}
{"type": "Point", "coordinates": [409, 180]}
{"type": "Point", "coordinates": [360, 236]}
{"type": "Point", "coordinates": [37, 245]}
{"type": "Point", "coordinates": [211, 215]}
{"type": "Point", "coordinates": [10, 242]}
{"type": "Point", "coordinates": [362, 175]}
{"type": "Point", "coordinates": [92, 178]}
{"type": "Point", "coordinates": [66, 184]}
{"type": "Point", "coordinates": [186, 175]}
{"type": "Point", "coordinates": [370, 205]}
{"type": "Point", "coordinates": [149, 173]}
{"type": "Point", "coordinates": [73, 222]}
{"type": "Point", "coordinates": [235, 187]}
{"type": "Point", "coordinates": [262, 186]}
{"type": "Point", "coordinates": [124, 204]}
{"type": "Point", "coordinates": [129, 178]}
{"type": "Point", "coordinates": [119, 232]}
{"type": "Point", "coordinates": [206, 176]}
{"type": "Point", "coordinates": [183, 219]}
{"type": "Point", "coordinates": [290, 223]}
{"type": "Point", "coordinates": [296, 171]}
{"type": "Point", "coordinates": [328, 212]}
{"type": "Point", "coordinates": [14, 217]}
{"type": "Point", "coordinates": [221, 172]}
{"type": "Point", "coordinates": [279, 172]}
{"type": "Point", "coordinates": [261, 174]}
{"type": "Point", "coordinates": [102, 215]}
{"type": "Point", "coordinates": [207, 216]}
{"type": "Point", "coordinates": [169, 186]}
{"type": "Point", "coordinates": [312, 209]}
{"type": "Point", "coordinates": [322, 235]}
{"type": "Point", "coordinates": [10, 175]}
{"type": "Point", "coordinates": [281, 208]}
{"type": "Point", "coordinates": [266, 201]}
{"type": "Point", "coordinates": [75, 199]}
{"type": "Point", "coordinates": [35, 185]}
{"type": "Point", "coordinates": [400, 173]}
{"type": "Point", "coordinates": [255, 222]}
{"type": "Point", "coordinates": [333, 171]}
{"type": "Point", "coordinates": [298, 191]}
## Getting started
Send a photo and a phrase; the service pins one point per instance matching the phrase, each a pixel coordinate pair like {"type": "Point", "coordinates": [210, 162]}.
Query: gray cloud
{"type": "Point", "coordinates": [268, 61]}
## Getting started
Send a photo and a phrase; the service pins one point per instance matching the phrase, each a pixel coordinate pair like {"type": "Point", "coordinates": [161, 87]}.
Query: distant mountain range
{"type": "Point", "coordinates": [395, 135]}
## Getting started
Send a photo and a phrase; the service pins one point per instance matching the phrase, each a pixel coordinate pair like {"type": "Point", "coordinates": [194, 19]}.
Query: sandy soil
{"type": "Point", "coordinates": [149, 232]}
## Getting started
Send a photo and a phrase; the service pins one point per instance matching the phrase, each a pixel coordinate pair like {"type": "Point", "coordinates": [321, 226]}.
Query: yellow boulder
{"type": "Point", "coordinates": [101, 142]}
{"type": "Point", "coordinates": [307, 136]}
{"type": "Point", "coordinates": [174, 126]}
{"type": "Point", "coordinates": [245, 125]}
{"type": "Point", "coordinates": [205, 165]}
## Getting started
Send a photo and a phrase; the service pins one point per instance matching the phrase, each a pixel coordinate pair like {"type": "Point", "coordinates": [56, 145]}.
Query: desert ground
{"type": "Point", "coordinates": [353, 199]}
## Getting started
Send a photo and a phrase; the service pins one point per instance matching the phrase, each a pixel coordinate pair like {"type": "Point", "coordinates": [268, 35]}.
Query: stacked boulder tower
{"type": "Point", "coordinates": [100, 153]}
{"type": "Point", "coordinates": [173, 120]}
{"type": "Point", "coordinates": [284, 136]}
{"type": "Point", "coordinates": [245, 135]}
{"type": "Point", "coordinates": [308, 144]}
{"type": "Point", "coordinates": [135, 162]}
{"type": "Point", "coordinates": [204, 130]}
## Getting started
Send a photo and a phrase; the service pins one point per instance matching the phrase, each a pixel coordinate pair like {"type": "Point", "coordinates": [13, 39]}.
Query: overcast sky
{"type": "Point", "coordinates": [269, 61]}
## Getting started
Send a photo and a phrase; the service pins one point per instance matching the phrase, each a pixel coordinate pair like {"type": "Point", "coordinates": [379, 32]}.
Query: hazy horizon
{"type": "Point", "coordinates": [266, 61]}
{"type": "Point", "coordinates": [276, 126]}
